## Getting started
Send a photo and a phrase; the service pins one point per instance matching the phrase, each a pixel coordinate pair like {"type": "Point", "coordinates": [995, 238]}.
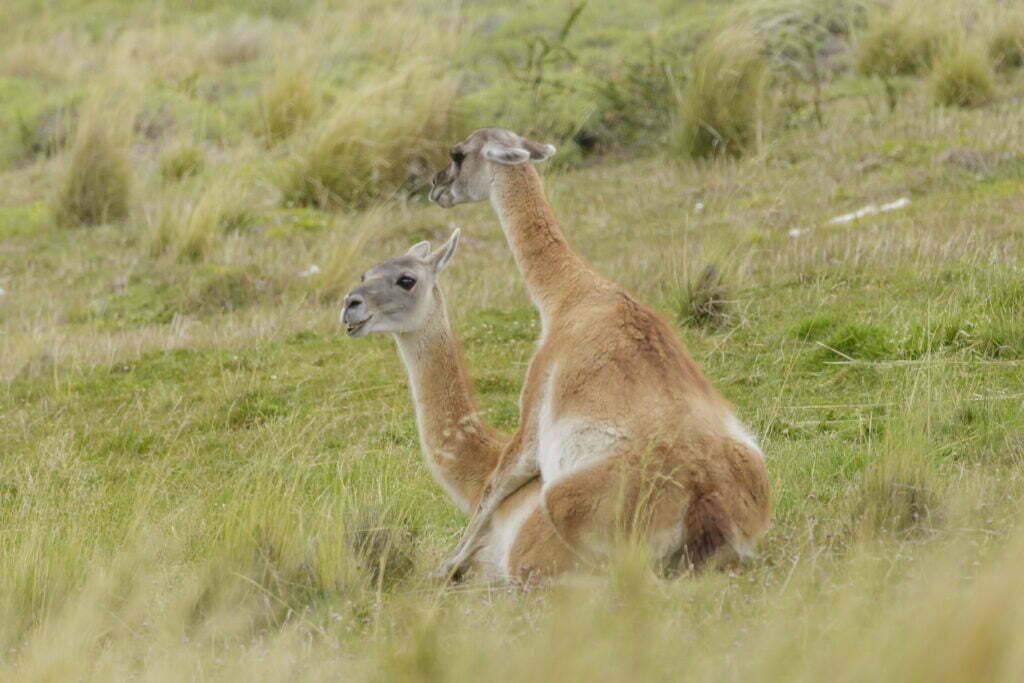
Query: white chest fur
{"type": "Point", "coordinates": [567, 444]}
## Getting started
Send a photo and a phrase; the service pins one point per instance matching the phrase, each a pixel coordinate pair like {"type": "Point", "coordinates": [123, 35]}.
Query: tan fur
{"type": "Point", "coordinates": [462, 451]}
{"type": "Point", "coordinates": [609, 371]}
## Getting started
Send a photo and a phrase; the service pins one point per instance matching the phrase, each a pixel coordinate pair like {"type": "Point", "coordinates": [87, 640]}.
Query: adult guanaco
{"type": "Point", "coordinates": [401, 296]}
{"type": "Point", "coordinates": [628, 435]}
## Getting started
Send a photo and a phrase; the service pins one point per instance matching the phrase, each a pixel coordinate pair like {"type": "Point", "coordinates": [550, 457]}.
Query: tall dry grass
{"type": "Point", "coordinates": [289, 100]}
{"type": "Point", "coordinates": [372, 141]}
{"type": "Point", "coordinates": [95, 179]}
{"type": "Point", "coordinates": [1006, 37]}
{"type": "Point", "coordinates": [723, 109]}
{"type": "Point", "coordinates": [190, 227]}
{"type": "Point", "coordinates": [181, 160]}
{"type": "Point", "coordinates": [903, 38]}
{"type": "Point", "coordinates": [962, 74]}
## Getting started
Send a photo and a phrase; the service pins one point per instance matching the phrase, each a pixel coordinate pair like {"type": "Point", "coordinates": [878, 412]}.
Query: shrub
{"type": "Point", "coordinates": [963, 77]}
{"type": "Point", "coordinates": [289, 101]}
{"type": "Point", "coordinates": [722, 110]}
{"type": "Point", "coordinates": [366, 148]}
{"type": "Point", "coordinates": [805, 45]}
{"type": "Point", "coordinates": [180, 161]}
{"type": "Point", "coordinates": [901, 39]}
{"type": "Point", "coordinates": [95, 184]}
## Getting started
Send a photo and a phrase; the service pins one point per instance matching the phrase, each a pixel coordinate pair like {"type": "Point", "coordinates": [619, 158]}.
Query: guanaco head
{"type": "Point", "coordinates": [397, 295]}
{"type": "Point", "coordinates": [473, 161]}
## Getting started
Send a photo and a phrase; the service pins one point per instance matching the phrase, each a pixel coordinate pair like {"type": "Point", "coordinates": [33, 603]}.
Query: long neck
{"type": "Point", "coordinates": [552, 270]}
{"type": "Point", "coordinates": [460, 449]}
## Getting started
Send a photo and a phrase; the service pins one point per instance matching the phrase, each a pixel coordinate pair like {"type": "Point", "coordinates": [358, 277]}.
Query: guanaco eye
{"type": "Point", "coordinates": [457, 157]}
{"type": "Point", "coordinates": [406, 282]}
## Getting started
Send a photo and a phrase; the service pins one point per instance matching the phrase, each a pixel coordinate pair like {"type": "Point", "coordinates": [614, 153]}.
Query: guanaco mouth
{"type": "Point", "coordinates": [354, 328]}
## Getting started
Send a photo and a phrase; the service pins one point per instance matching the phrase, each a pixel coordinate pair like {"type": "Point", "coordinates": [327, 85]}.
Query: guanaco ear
{"type": "Point", "coordinates": [526, 150]}
{"type": "Point", "coordinates": [503, 154]}
{"type": "Point", "coordinates": [443, 256]}
{"type": "Point", "coordinates": [419, 250]}
{"type": "Point", "coordinates": [538, 150]}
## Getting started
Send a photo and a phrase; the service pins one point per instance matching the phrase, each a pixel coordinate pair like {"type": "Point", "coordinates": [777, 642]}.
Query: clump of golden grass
{"type": "Point", "coordinates": [364, 149]}
{"type": "Point", "coordinates": [962, 75]}
{"type": "Point", "coordinates": [1006, 39]}
{"type": "Point", "coordinates": [289, 101]}
{"type": "Point", "coordinates": [190, 229]}
{"type": "Point", "coordinates": [181, 160]}
{"type": "Point", "coordinates": [723, 108]}
{"type": "Point", "coordinates": [901, 38]}
{"type": "Point", "coordinates": [95, 183]}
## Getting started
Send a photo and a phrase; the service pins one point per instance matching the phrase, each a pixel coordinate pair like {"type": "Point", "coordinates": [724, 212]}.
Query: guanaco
{"type": "Point", "coordinates": [401, 296]}
{"type": "Point", "coordinates": [625, 431]}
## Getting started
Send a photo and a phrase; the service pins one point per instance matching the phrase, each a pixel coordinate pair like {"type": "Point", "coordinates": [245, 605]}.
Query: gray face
{"type": "Point", "coordinates": [393, 297]}
{"type": "Point", "coordinates": [397, 295]}
{"type": "Point", "coordinates": [469, 175]}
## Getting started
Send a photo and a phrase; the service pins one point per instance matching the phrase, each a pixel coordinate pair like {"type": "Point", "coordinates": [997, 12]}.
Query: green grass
{"type": "Point", "coordinates": [204, 478]}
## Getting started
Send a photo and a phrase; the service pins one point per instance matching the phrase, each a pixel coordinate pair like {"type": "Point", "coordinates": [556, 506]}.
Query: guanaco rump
{"type": "Point", "coordinates": [401, 296]}
{"type": "Point", "coordinates": [628, 435]}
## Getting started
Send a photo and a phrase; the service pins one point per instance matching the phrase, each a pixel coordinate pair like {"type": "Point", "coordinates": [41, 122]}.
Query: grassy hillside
{"type": "Point", "coordinates": [202, 478]}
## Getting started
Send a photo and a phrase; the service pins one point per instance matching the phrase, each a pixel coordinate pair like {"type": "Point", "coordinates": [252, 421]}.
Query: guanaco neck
{"type": "Point", "coordinates": [554, 274]}
{"type": "Point", "coordinates": [460, 449]}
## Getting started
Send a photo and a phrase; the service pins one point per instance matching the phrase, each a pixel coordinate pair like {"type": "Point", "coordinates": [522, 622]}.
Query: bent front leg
{"type": "Point", "coordinates": [514, 470]}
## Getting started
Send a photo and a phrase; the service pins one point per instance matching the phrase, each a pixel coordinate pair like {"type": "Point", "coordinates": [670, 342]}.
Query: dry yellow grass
{"type": "Point", "coordinates": [190, 227]}
{"type": "Point", "coordinates": [962, 76]}
{"type": "Point", "coordinates": [724, 109]}
{"type": "Point", "coordinates": [95, 182]}
{"type": "Point", "coordinates": [290, 100]}
{"type": "Point", "coordinates": [372, 141]}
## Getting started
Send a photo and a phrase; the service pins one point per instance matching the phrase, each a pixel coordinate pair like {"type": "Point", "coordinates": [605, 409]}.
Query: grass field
{"type": "Point", "coordinates": [202, 478]}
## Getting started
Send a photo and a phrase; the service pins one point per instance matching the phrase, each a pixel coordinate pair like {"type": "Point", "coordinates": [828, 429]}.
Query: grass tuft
{"type": "Point", "coordinates": [381, 543]}
{"type": "Point", "coordinates": [901, 39]}
{"type": "Point", "coordinates": [723, 108]}
{"type": "Point", "coordinates": [289, 101]}
{"type": "Point", "coordinates": [963, 77]}
{"type": "Point", "coordinates": [190, 230]}
{"type": "Point", "coordinates": [372, 142]}
{"type": "Point", "coordinates": [181, 161]}
{"type": "Point", "coordinates": [900, 492]}
{"type": "Point", "coordinates": [1006, 39]}
{"type": "Point", "coordinates": [95, 183]}
{"type": "Point", "coordinates": [706, 303]}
